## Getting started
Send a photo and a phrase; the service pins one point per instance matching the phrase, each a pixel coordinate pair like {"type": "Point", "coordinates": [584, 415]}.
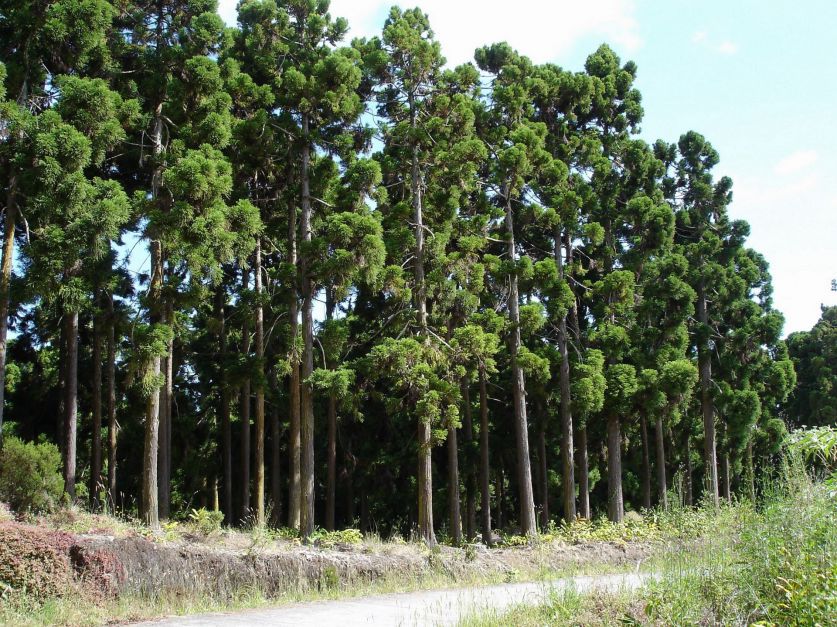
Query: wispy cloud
{"type": "Point", "coordinates": [464, 25]}
{"type": "Point", "coordinates": [796, 162]}
{"type": "Point", "coordinates": [727, 47]}
{"type": "Point", "coordinates": [702, 38]}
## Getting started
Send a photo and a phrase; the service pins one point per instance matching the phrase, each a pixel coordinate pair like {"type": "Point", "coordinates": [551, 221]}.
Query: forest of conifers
{"type": "Point", "coordinates": [320, 283]}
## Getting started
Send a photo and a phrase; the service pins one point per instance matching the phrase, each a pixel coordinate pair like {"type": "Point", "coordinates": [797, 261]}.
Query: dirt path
{"type": "Point", "coordinates": [431, 608]}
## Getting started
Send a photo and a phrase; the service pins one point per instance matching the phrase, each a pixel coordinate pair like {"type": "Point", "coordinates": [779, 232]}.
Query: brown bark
{"type": "Point", "coordinates": [70, 403]}
{"type": "Point", "coordinates": [294, 456]}
{"type": "Point", "coordinates": [164, 456]}
{"type": "Point", "coordinates": [224, 409]}
{"type": "Point", "coordinates": [307, 393]}
{"type": "Point", "coordinates": [453, 488]}
{"type": "Point", "coordinates": [726, 494]}
{"type": "Point", "coordinates": [543, 473]}
{"type": "Point", "coordinates": [111, 386]}
{"type": "Point", "coordinates": [615, 503]}
{"type": "Point", "coordinates": [96, 448]}
{"type": "Point", "coordinates": [521, 425]}
{"type": "Point", "coordinates": [275, 463]}
{"type": "Point", "coordinates": [567, 466]}
{"type": "Point", "coordinates": [583, 475]}
{"type": "Point", "coordinates": [5, 282]}
{"type": "Point", "coordinates": [689, 496]}
{"type": "Point", "coordinates": [646, 464]}
{"type": "Point", "coordinates": [260, 416]}
{"type": "Point", "coordinates": [425, 469]}
{"type": "Point", "coordinates": [469, 479]}
{"type": "Point", "coordinates": [150, 505]}
{"type": "Point", "coordinates": [244, 404]}
{"type": "Point", "coordinates": [485, 470]}
{"type": "Point", "coordinates": [706, 402]}
{"type": "Point", "coordinates": [662, 493]}
{"type": "Point", "coordinates": [331, 476]}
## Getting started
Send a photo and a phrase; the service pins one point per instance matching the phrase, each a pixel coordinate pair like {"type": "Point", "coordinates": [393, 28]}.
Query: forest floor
{"type": "Point", "coordinates": [120, 571]}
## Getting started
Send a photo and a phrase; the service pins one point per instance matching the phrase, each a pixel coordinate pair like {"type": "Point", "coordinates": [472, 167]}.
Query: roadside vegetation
{"type": "Point", "coordinates": [770, 564]}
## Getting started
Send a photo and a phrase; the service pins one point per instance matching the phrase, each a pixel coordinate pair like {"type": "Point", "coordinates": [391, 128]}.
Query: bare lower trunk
{"type": "Point", "coordinates": [469, 479]}
{"type": "Point", "coordinates": [5, 282]}
{"type": "Point", "coordinates": [662, 493]}
{"type": "Point", "coordinates": [726, 494]}
{"type": "Point", "coordinates": [307, 393]}
{"type": "Point", "coordinates": [150, 506]}
{"type": "Point", "coordinates": [521, 424]}
{"type": "Point", "coordinates": [224, 409]}
{"type": "Point", "coordinates": [260, 416]}
{"type": "Point", "coordinates": [164, 459]}
{"type": "Point", "coordinates": [706, 402]}
{"type": "Point", "coordinates": [453, 488]}
{"type": "Point", "coordinates": [111, 386]}
{"type": "Point", "coordinates": [615, 503]}
{"type": "Point", "coordinates": [646, 464]}
{"type": "Point", "coordinates": [583, 475]}
{"type": "Point", "coordinates": [96, 449]}
{"type": "Point", "coordinates": [331, 479]}
{"type": "Point", "coordinates": [751, 472]}
{"type": "Point", "coordinates": [70, 403]}
{"type": "Point", "coordinates": [542, 472]}
{"type": "Point", "coordinates": [275, 464]}
{"type": "Point", "coordinates": [244, 404]}
{"type": "Point", "coordinates": [425, 485]}
{"type": "Point", "coordinates": [689, 496]}
{"type": "Point", "coordinates": [567, 466]}
{"type": "Point", "coordinates": [485, 470]}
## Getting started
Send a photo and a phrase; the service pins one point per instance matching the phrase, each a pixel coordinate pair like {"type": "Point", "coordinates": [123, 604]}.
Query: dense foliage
{"type": "Point", "coordinates": [264, 271]}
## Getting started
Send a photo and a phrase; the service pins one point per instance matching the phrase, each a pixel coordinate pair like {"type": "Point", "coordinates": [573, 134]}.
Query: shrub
{"type": "Point", "coordinates": [34, 560]}
{"type": "Point", "coordinates": [30, 479]}
{"type": "Point", "coordinates": [206, 521]}
{"type": "Point", "coordinates": [329, 539]}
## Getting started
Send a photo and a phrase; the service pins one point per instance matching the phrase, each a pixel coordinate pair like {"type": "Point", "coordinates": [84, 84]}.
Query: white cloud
{"type": "Point", "coordinates": [796, 162]}
{"type": "Point", "coordinates": [727, 47]}
{"type": "Point", "coordinates": [541, 30]}
{"type": "Point", "coordinates": [699, 37]}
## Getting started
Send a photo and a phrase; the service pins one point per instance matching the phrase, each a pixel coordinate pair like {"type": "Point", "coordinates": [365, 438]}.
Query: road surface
{"type": "Point", "coordinates": [413, 609]}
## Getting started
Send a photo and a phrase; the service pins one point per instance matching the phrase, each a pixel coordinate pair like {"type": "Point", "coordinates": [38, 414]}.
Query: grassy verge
{"type": "Point", "coordinates": [776, 565]}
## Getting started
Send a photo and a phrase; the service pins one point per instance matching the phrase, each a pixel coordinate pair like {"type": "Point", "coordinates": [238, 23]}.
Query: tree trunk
{"type": "Point", "coordinates": [567, 466]}
{"type": "Point", "coordinates": [707, 405]}
{"type": "Point", "coordinates": [5, 283]}
{"type": "Point", "coordinates": [331, 479]}
{"type": "Point", "coordinates": [662, 493]}
{"type": "Point", "coordinates": [164, 458]}
{"type": "Point", "coordinates": [425, 468]}
{"type": "Point", "coordinates": [542, 472]}
{"type": "Point", "coordinates": [260, 488]}
{"type": "Point", "coordinates": [307, 393]}
{"type": "Point", "coordinates": [501, 482]}
{"type": "Point", "coordinates": [70, 403]}
{"type": "Point", "coordinates": [521, 426]}
{"type": "Point", "coordinates": [751, 471]}
{"type": "Point", "coordinates": [331, 476]}
{"type": "Point", "coordinates": [150, 506]}
{"type": "Point", "coordinates": [111, 384]}
{"type": "Point", "coordinates": [615, 504]}
{"type": "Point", "coordinates": [275, 464]}
{"type": "Point", "coordinates": [689, 496]}
{"type": "Point", "coordinates": [583, 475]}
{"type": "Point", "coordinates": [725, 482]}
{"type": "Point", "coordinates": [468, 480]}
{"type": "Point", "coordinates": [485, 470]}
{"type": "Point", "coordinates": [453, 488]}
{"type": "Point", "coordinates": [224, 409]}
{"type": "Point", "coordinates": [244, 404]}
{"type": "Point", "coordinates": [294, 457]}
{"type": "Point", "coordinates": [96, 449]}
{"type": "Point", "coordinates": [646, 463]}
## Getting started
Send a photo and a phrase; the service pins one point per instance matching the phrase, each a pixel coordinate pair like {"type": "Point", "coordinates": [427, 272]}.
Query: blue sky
{"type": "Point", "coordinates": [758, 78]}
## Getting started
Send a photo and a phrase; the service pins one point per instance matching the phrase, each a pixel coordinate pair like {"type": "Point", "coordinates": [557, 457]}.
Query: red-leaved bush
{"type": "Point", "coordinates": [35, 560]}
